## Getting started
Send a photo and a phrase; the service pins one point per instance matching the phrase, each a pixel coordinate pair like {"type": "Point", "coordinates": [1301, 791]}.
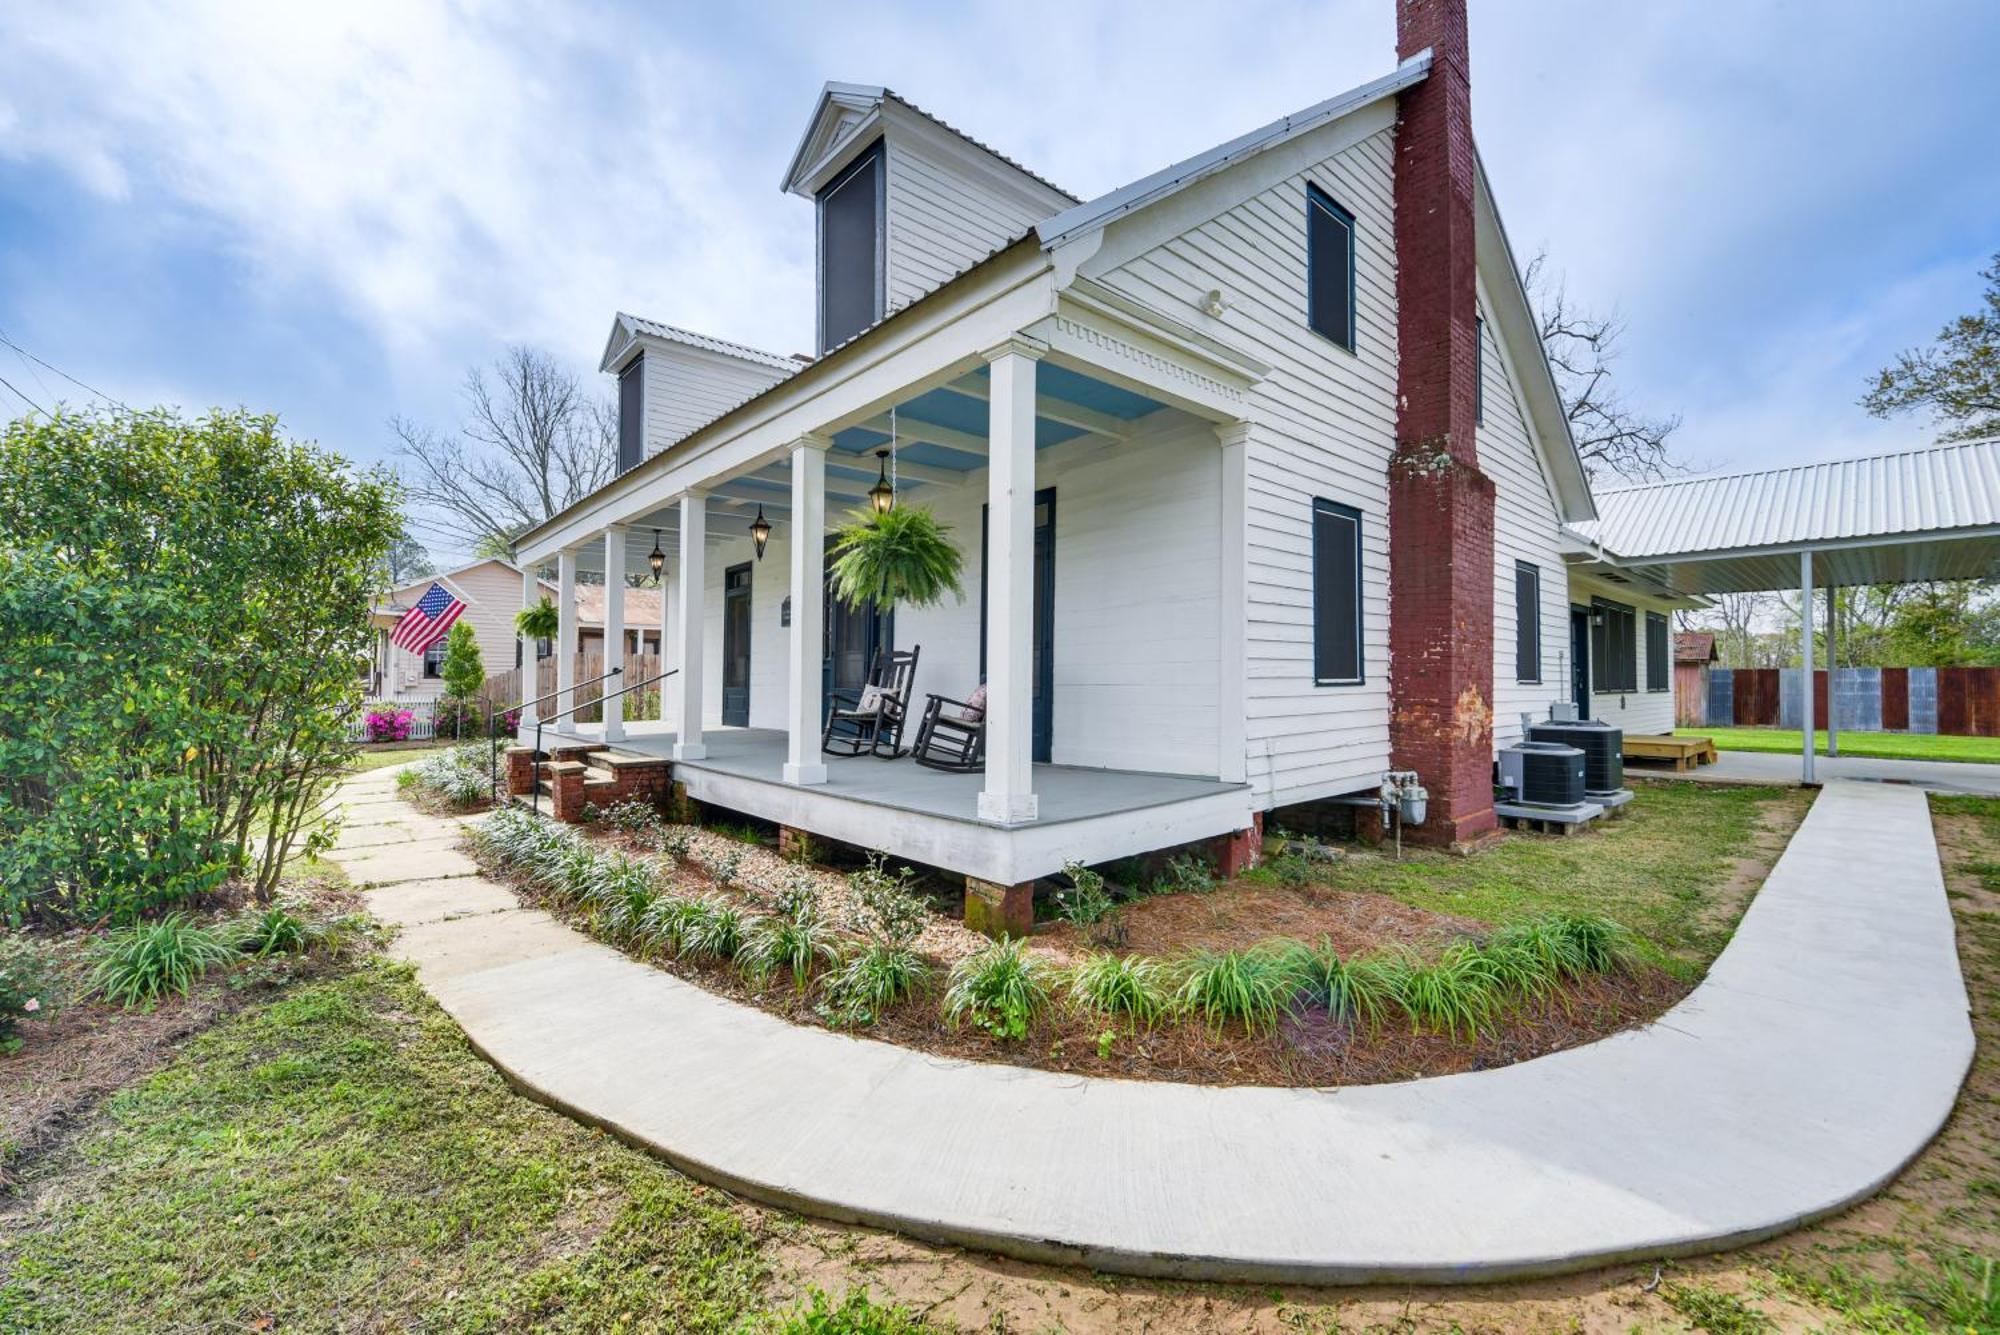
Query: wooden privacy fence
{"type": "Point", "coordinates": [1952, 702]}
{"type": "Point", "coordinates": [504, 689]}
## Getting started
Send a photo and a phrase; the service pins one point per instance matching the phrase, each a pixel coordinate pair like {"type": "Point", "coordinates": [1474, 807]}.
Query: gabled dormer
{"type": "Point", "coordinates": [672, 380]}
{"type": "Point", "coordinates": [904, 203]}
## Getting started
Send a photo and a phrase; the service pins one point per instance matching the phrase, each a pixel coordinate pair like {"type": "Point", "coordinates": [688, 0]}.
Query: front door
{"type": "Point", "coordinates": [854, 636]}
{"type": "Point", "coordinates": [736, 646]}
{"type": "Point", "coordinates": [1579, 659]}
{"type": "Point", "coordinates": [1043, 667]}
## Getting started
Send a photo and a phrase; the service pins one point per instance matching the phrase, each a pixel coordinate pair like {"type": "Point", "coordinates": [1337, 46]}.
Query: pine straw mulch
{"type": "Point", "coordinates": [1310, 1049]}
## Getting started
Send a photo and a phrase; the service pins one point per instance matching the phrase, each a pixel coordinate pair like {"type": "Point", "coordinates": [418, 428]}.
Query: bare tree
{"type": "Point", "coordinates": [532, 443]}
{"type": "Point", "coordinates": [1581, 346]}
{"type": "Point", "coordinates": [1735, 619]}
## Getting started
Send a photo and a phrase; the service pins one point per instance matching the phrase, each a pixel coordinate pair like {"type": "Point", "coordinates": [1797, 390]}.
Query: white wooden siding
{"type": "Point", "coordinates": [1524, 529]}
{"type": "Point", "coordinates": [1640, 711]}
{"type": "Point", "coordinates": [689, 387]}
{"type": "Point", "coordinates": [1135, 622]}
{"type": "Point", "coordinates": [942, 221]}
{"type": "Point", "coordinates": [1323, 425]}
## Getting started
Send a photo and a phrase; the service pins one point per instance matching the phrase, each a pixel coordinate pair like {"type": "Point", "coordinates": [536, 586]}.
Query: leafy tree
{"type": "Point", "coordinates": [532, 443]}
{"type": "Point", "coordinates": [407, 560]}
{"type": "Point", "coordinates": [1957, 379]}
{"type": "Point", "coordinates": [463, 671]}
{"type": "Point", "coordinates": [1935, 626]}
{"type": "Point", "coordinates": [183, 604]}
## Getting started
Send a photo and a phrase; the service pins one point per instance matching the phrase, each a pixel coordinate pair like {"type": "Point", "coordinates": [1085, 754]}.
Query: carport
{"type": "Point", "coordinates": [1910, 517]}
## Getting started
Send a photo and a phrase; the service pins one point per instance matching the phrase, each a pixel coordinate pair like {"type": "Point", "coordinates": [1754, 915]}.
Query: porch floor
{"type": "Point", "coordinates": [1064, 792]}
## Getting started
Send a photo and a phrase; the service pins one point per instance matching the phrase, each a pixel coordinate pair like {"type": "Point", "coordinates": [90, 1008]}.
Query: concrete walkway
{"type": "Point", "coordinates": [1822, 1053]}
{"type": "Point", "coordinates": [1937, 776]}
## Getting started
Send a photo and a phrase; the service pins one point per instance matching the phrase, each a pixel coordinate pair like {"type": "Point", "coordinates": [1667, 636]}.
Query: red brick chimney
{"type": "Point", "coordinates": [1440, 504]}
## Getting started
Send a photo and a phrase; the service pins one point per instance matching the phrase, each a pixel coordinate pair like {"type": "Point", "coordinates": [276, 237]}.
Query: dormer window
{"type": "Point", "coordinates": [850, 249]}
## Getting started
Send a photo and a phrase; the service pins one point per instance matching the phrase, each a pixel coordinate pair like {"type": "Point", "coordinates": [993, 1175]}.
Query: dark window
{"type": "Point", "coordinates": [434, 661]}
{"type": "Point", "coordinates": [631, 413]}
{"type": "Point", "coordinates": [850, 250]}
{"type": "Point", "coordinates": [1657, 654]}
{"type": "Point", "coordinates": [1527, 622]}
{"type": "Point", "coordinates": [1613, 654]}
{"type": "Point", "coordinates": [1478, 371]}
{"type": "Point", "coordinates": [1336, 594]}
{"type": "Point", "coordinates": [1329, 268]}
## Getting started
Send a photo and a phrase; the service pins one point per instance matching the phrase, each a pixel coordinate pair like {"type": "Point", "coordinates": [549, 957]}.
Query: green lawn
{"type": "Point", "coordinates": [1874, 745]}
{"type": "Point", "coordinates": [1663, 869]}
{"type": "Point", "coordinates": [368, 758]}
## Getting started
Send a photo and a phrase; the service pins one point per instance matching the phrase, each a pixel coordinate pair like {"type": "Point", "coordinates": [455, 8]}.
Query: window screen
{"type": "Point", "coordinates": [850, 252]}
{"type": "Point", "coordinates": [1658, 656]}
{"type": "Point", "coordinates": [1329, 268]}
{"type": "Point", "coordinates": [1336, 594]}
{"type": "Point", "coordinates": [1613, 651]}
{"type": "Point", "coordinates": [1527, 622]}
{"type": "Point", "coordinates": [632, 414]}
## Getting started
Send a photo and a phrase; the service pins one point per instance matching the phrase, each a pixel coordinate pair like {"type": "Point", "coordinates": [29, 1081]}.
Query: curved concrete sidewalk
{"type": "Point", "coordinates": [1822, 1053]}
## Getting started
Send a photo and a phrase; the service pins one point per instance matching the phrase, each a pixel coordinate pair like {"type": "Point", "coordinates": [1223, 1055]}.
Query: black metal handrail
{"type": "Point", "coordinates": [493, 721]}
{"type": "Point", "coordinates": [535, 798]}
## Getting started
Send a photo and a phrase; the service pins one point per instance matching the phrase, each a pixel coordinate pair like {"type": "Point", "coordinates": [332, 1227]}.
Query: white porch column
{"type": "Point", "coordinates": [530, 676]}
{"type": "Point", "coordinates": [808, 545]}
{"type": "Point", "coordinates": [1009, 795]}
{"type": "Point", "coordinates": [667, 659]}
{"type": "Point", "coordinates": [566, 636]}
{"type": "Point", "coordinates": [689, 590]}
{"type": "Point", "coordinates": [614, 631]}
{"type": "Point", "coordinates": [1231, 667]}
{"type": "Point", "coordinates": [1806, 656]}
{"type": "Point", "coordinates": [1832, 666]}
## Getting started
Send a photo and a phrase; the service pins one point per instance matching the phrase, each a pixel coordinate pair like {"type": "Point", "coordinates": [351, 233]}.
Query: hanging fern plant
{"type": "Point", "coordinates": [540, 622]}
{"type": "Point", "coordinates": [903, 556]}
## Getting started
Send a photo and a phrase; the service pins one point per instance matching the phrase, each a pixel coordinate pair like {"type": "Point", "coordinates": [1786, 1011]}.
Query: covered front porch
{"type": "Point", "coordinates": [1092, 476]}
{"type": "Point", "coordinates": [907, 811]}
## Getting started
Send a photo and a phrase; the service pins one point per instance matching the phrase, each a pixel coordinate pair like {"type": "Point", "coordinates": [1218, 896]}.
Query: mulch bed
{"type": "Point", "coordinates": [1310, 1049]}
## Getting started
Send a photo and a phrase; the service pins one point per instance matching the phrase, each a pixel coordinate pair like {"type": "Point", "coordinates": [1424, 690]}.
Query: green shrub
{"type": "Point", "coordinates": [1355, 991]}
{"type": "Point", "coordinates": [1188, 872]}
{"type": "Point", "coordinates": [715, 929]}
{"type": "Point", "coordinates": [182, 605]}
{"type": "Point", "coordinates": [26, 988]}
{"type": "Point", "coordinates": [677, 844]}
{"type": "Point", "coordinates": [1111, 984]}
{"type": "Point", "coordinates": [877, 977]}
{"type": "Point", "coordinates": [275, 931]}
{"type": "Point", "coordinates": [141, 963]}
{"type": "Point", "coordinates": [1603, 945]}
{"type": "Point", "coordinates": [723, 870]}
{"type": "Point", "coordinates": [665, 922]}
{"type": "Point", "coordinates": [632, 817]}
{"type": "Point", "coordinates": [1000, 989]}
{"type": "Point", "coordinates": [888, 908]}
{"type": "Point", "coordinates": [1253, 986]}
{"type": "Point", "coordinates": [620, 890]}
{"type": "Point", "coordinates": [1085, 903]}
{"type": "Point", "coordinates": [797, 937]}
{"type": "Point", "coordinates": [461, 776]}
{"type": "Point", "coordinates": [1456, 994]}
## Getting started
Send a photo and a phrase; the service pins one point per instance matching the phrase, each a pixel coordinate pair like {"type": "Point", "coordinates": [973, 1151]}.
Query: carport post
{"type": "Point", "coordinates": [1806, 657]}
{"type": "Point", "coordinates": [1832, 666]}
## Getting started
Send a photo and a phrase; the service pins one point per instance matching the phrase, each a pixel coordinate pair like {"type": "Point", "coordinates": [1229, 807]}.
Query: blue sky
{"type": "Point", "coordinates": [332, 211]}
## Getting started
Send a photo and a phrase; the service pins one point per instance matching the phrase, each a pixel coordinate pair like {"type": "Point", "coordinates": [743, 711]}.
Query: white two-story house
{"type": "Point", "coordinates": [1258, 470]}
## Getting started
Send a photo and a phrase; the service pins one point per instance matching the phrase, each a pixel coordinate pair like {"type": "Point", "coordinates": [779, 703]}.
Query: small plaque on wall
{"type": "Point", "coordinates": [785, 611]}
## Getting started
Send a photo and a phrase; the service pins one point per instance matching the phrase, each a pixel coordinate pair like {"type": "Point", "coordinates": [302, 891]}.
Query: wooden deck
{"type": "Point", "coordinates": [1683, 753]}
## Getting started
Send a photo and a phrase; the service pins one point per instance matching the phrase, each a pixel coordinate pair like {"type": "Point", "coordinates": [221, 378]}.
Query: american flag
{"type": "Point", "coordinates": [426, 623]}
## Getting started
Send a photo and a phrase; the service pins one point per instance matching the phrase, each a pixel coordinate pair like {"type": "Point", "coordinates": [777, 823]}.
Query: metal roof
{"type": "Point", "coordinates": [654, 329]}
{"type": "Point", "coordinates": [1914, 515]}
{"type": "Point", "coordinates": [1168, 180]}
{"type": "Point", "coordinates": [835, 89]}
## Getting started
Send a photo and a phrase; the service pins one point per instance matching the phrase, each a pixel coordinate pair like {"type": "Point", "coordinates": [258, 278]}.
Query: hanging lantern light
{"type": "Point", "coordinates": [658, 560]}
{"type": "Point", "coordinates": [883, 493]}
{"type": "Point", "coordinates": [760, 530]}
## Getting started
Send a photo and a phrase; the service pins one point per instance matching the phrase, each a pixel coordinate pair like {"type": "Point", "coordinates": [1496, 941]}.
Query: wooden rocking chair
{"type": "Point", "coordinates": [952, 735]}
{"type": "Point", "coordinates": [870, 721]}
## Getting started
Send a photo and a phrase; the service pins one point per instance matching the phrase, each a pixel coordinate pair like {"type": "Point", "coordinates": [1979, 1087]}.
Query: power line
{"type": "Point", "coordinates": [24, 398]}
{"type": "Point", "coordinates": [59, 371]}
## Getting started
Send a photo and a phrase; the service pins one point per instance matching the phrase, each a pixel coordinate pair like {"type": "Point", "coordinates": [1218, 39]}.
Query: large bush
{"type": "Point", "coordinates": [181, 605]}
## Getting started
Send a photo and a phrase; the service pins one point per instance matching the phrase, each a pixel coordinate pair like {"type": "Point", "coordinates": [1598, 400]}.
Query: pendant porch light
{"type": "Point", "coordinates": [658, 560]}
{"type": "Point", "coordinates": [760, 530]}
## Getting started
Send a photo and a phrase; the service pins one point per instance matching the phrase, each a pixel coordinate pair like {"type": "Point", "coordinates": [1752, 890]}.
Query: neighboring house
{"type": "Point", "coordinates": [491, 591]}
{"type": "Point", "coordinates": [1694, 653]}
{"type": "Point", "coordinates": [1260, 473]}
